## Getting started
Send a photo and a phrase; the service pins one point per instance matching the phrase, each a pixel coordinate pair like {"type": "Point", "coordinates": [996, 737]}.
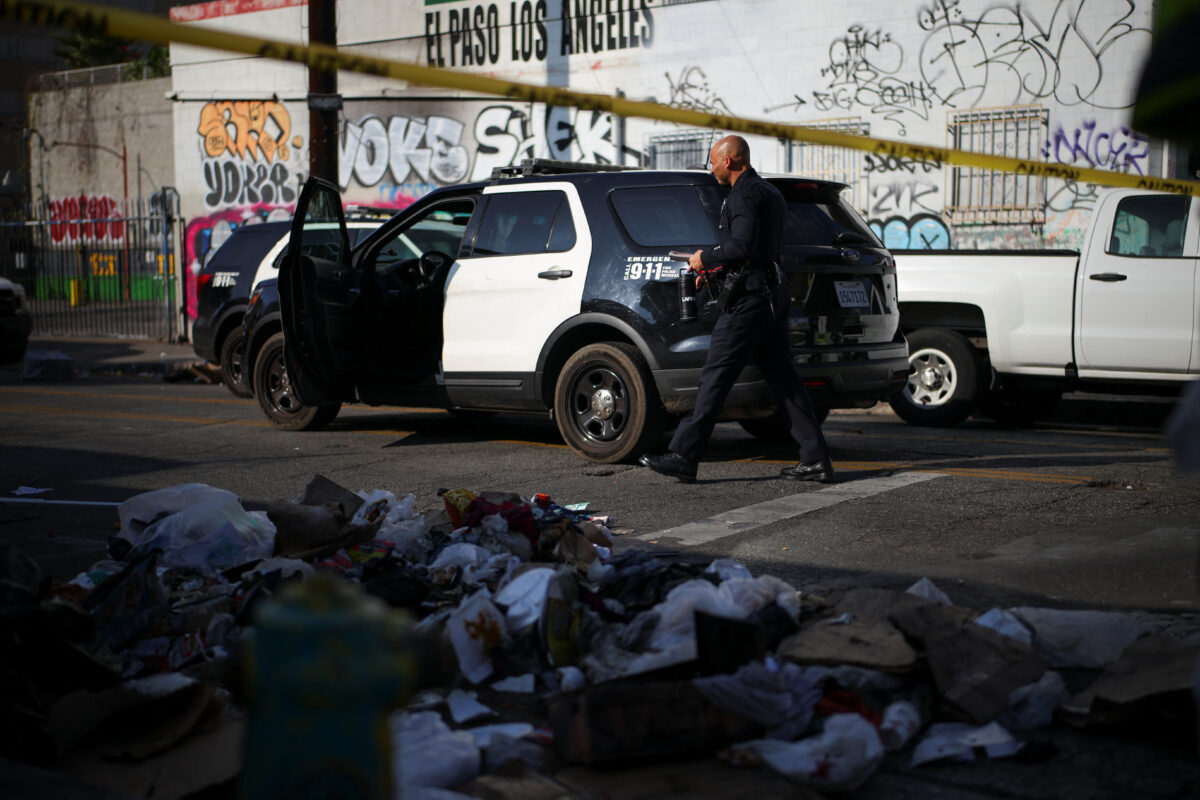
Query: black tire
{"type": "Point", "coordinates": [775, 428]}
{"type": "Point", "coordinates": [233, 352]}
{"type": "Point", "coordinates": [1017, 408]}
{"type": "Point", "coordinates": [943, 379]}
{"type": "Point", "coordinates": [274, 394]}
{"type": "Point", "coordinates": [606, 405]}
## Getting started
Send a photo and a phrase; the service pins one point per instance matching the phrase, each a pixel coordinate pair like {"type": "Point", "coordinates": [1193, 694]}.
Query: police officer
{"type": "Point", "coordinates": [752, 327]}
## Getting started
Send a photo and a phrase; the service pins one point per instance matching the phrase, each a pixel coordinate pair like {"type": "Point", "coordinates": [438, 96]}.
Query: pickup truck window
{"type": "Point", "coordinates": [1149, 227]}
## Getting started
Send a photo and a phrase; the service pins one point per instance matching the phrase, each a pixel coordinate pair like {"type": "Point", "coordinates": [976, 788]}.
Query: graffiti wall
{"type": "Point", "coordinates": [247, 169]}
{"type": "Point", "coordinates": [391, 159]}
{"type": "Point", "coordinates": [942, 72]}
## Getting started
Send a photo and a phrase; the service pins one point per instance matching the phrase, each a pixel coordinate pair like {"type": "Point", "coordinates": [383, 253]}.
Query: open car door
{"type": "Point", "coordinates": [318, 295]}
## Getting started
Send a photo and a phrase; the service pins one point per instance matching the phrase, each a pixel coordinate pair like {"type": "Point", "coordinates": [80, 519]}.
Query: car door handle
{"type": "Point", "coordinates": [1108, 277]}
{"type": "Point", "coordinates": [555, 274]}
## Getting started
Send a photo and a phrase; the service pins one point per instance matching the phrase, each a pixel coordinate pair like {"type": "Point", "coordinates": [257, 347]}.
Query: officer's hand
{"type": "Point", "coordinates": [695, 262]}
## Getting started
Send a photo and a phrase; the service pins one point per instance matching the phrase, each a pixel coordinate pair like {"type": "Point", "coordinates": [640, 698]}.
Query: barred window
{"type": "Point", "coordinates": [827, 163]}
{"type": "Point", "coordinates": [680, 150]}
{"type": "Point", "coordinates": [990, 196]}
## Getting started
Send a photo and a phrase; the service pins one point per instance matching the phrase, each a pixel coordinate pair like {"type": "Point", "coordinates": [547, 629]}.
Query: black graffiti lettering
{"type": "Point", "coordinates": [212, 178]}
{"type": "Point", "coordinates": [648, 28]}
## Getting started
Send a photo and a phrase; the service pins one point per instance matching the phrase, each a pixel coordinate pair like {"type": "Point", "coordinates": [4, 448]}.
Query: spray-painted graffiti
{"type": "Point", "coordinates": [204, 235]}
{"type": "Point", "coordinates": [862, 70]}
{"type": "Point", "coordinates": [231, 183]}
{"type": "Point", "coordinates": [431, 149]}
{"type": "Point", "coordinates": [247, 146]}
{"type": "Point", "coordinates": [86, 218]}
{"type": "Point", "coordinates": [402, 195]}
{"type": "Point", "coordinates": [1120, 149]}
{"type": "Point", "coordinates": [918, 232]}
{"type": "Point", "coordinates": [1025, 52]}
{"type": "Point", "coordinates": [246, 129]}
{"type": "Point", "coordinates": [1071, 195]}
{"type": "Point", "coordinates": [900, 187]}
{"type": "Point", "coordinates": [902, 197]}
{"type": "Point", "coordinates": [691, 91]}
{"type": "Point", "coordinates": [506, 134]}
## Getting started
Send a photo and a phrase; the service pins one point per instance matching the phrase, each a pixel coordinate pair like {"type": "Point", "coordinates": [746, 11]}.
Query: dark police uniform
{"type": "Point", "coordinates": [752, 327]}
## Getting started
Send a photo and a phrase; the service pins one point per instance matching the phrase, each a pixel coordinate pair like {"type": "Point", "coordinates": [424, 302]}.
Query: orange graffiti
{"type": "Point", "coordinates": [249, 119]}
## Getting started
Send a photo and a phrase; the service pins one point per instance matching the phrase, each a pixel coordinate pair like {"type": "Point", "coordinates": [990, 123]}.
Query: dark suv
{"type": "Point", "coordinates": [249, 256]}
{"type": "Point", "coordinates": [550, 288]}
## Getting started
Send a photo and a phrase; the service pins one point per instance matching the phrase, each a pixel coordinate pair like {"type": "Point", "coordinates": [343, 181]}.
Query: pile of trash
{"type": "Point", "coordinates": [348, 634]}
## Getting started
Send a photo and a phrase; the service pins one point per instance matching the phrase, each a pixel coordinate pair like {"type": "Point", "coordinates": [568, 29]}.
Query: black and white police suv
{"type": "Point", "coordinates": [549, 287]}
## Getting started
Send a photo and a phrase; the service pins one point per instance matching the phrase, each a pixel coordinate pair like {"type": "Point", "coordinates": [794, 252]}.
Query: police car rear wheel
{"type": "Point", "coordinates": [233, 350]}
{"type": "Point", "coordinates": [606, 405]}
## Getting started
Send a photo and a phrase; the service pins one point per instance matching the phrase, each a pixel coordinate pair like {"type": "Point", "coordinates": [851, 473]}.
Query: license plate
{"type": "Point", "coordinates": [851, 294]}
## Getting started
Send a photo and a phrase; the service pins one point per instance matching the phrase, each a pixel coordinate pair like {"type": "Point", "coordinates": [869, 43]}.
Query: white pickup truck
{"type": "Point", "coordinates": [1006, 332]}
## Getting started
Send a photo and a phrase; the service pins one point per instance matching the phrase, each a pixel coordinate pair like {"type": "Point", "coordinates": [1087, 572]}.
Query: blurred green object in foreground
{"type": "Point", "coordinates": [326, 666]}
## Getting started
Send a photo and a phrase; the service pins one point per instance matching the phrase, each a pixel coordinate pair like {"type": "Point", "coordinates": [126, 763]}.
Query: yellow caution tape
{"type": "Point", "coordinates": [146, 27]}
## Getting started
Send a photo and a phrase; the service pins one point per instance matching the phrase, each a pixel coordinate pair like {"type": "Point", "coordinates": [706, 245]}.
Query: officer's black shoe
{"type": "Point", "coordinates": [816, 471]}
{"type": "Point", "coordinates": [671, 464]}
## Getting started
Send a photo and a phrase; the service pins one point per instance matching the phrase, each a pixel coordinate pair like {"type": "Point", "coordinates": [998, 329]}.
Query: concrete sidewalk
{"type": "Point", "coordinates": [102, 356]}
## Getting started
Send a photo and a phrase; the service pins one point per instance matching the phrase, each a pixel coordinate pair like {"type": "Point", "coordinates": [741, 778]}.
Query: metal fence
{"type": "Point", "coordinates": [92, 268]}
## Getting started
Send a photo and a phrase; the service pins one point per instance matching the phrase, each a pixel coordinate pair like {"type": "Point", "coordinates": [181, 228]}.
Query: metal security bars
{"type": "Point", "coordinates": [828, 163]}
{"type": "Point", "coordinates": [990, 196]}
{"type": "Point", "coordinates": [90, 268]}
{"type": "Point", "coordinates": [680, 150]}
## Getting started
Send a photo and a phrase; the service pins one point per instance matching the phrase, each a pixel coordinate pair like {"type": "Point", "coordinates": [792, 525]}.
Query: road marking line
{"type": "Point", "coordinates": [963, 472]}
{"type": "Point", "coordinates": [747, 518]}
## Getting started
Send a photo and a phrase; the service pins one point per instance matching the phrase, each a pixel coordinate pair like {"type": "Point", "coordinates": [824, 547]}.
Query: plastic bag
{"type": "Point", "coordinates": [426, 753]}
{"type": "Point", "coordinates": [140, 511]}
{"type": "Point", "coordinates": [770, 697]}
{"type": "Point", "coordinates": [524, 598]}
{"type": "Point", "coordinates": [840, 758]}
{"type": "Point", "coordinates": [213, 534]}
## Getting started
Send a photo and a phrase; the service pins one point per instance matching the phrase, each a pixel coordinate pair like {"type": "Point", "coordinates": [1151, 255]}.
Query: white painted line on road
{"type": "Point", "coordinates": [747, 518]}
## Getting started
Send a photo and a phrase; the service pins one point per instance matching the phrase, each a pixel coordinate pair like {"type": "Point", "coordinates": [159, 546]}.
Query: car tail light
{"type": "Point", "coordinates": [204, 279]}
{"type": "Point", "coordinates": [816, 383]}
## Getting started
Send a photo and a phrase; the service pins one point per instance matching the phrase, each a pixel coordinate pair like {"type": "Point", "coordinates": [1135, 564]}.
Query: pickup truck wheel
{"type": "Point", "coordinates": [943, 379]}
{"type": "Point", "coordinates": [1020, 408]}
{"type": "Point", "coordinates": [606, 405]}
{"type": "Point", "coordinates": [775, 428]}
{"type": "Point", "coordinates": [274, 393]}
{"type": "Point", "coordinates": [233, 351]}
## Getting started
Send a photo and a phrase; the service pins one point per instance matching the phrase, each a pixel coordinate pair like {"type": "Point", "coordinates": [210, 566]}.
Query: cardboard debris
{"type": "Point", "coordinates": [973, 667]}
{"type": "Point", "coordinates": [877, 645]}
{"type": "Point", "coordinates": [1151, 669]}
{"type": "Point", "coordinates": [645, 720]}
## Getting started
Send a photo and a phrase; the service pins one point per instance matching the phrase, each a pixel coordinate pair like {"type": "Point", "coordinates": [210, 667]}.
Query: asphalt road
{"type": "Point", "coordinates": [1086, 511]}
{"type": "Point", "coordinates": [1072, 513]}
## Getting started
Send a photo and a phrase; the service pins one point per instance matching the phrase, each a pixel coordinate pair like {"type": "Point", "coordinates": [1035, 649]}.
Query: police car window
{"type": "Point", "coordinates": [664, 216]}
{"type": "Point", "coordinates": [518, 222]}
{"type": "Point", "coordinates": [562, 238]}
{"type": "Point", "coordinates": [440, 229]}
